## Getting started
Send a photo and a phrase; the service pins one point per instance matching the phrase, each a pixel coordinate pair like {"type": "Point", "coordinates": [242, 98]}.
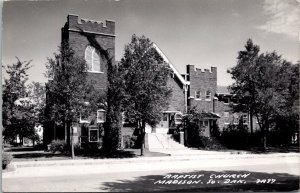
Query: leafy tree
{"type": "Point", "coordinates": [145, 82]}
{"type": "Point", "coordinates": [192, 123]}
{"type": "Point", "coordinates": [17, 109]}
{"type": "Point", "coordinates": [243, 74]}
{"type": "Point", "coordinates": [71, 92]}
{"type": "Point", "coordinates": [262, 84]}
{"type": "Point", "coordinates": [287, 120]}
{"type": "Point", "coordinates": [37, 94]}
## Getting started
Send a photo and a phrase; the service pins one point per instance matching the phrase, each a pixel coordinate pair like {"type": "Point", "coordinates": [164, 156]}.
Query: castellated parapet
{"type": "Point", "coordinates": [91, 26]}
{"type": "Point", "coordinates": [205, 72]}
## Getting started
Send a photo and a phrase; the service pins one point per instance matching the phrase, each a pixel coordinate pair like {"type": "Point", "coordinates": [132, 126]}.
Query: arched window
{"type": "Point", "coordinates": [92, 59]}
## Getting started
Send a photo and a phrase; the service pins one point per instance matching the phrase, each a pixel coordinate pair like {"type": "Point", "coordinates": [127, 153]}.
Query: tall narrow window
{"type": "Point", "coordinates": [84, 117]}
{"type": "Point", "coordinates": [93, 134]}
{"type": "Point", "coordinates": [101, 116]}
{"type": "Point", "coordinates": [245, 119]}
{"type": "Point", "coordinates": [208, 96]}
{"type": "Point", "coordinates": [198, 95]}
{"type": "Point", "coordinates": [92, 59]}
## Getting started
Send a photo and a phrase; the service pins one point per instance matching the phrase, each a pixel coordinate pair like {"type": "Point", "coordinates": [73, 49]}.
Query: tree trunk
{"type": "Point", "coordinates": [67, 129]}
{"type": "Point", "coordinates": [72, 143]}
{"type": "Point", "coordinates": [251, 127]}
{"type": "Point", "coordinates": [251, 122]}
{"type": "Point", "coordinates": [264, 139]}
{"type": "Point", "coordinates": [143, 137]}
{"type": "Point", "coordinates": [264, 142]}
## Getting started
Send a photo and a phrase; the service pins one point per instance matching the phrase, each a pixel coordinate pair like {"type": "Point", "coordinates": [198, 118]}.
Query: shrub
{"type": "Point", "coordinates": [129, 142]}
{"type": "Point", "coordinates": [58, 146]}
{"type": "Point", "coordinates": [235, 136]}
{"type": "Point", "coordinates": [211, 143]}
{"type": "Point", "coordinates": [6, 159]}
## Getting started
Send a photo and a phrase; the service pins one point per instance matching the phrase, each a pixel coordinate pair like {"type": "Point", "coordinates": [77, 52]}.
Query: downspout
{"type": "Point", "coordinates": [185, 97]}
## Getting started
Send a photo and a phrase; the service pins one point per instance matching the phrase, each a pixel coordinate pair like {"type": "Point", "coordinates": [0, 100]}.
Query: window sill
{"type": "Point", "coordinates": [82, 121]}
{"type": "Point", "coordinates": [197, 99]}
{"type": "Point", "coordinates": [207, 99]}
{"type": "Point", "coordinates": [95, 72]}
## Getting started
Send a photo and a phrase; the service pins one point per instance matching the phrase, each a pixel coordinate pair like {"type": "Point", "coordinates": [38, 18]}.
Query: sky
{"type": "Point", "coordinates": [203, 33]}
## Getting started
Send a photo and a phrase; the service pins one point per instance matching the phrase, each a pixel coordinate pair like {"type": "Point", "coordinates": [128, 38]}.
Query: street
{"type": "Point", "coordinates": [268, 173]}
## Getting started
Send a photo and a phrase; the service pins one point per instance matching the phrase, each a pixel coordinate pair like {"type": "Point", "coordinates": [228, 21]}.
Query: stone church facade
{"type": "Point", "coordinates": [196, 88]}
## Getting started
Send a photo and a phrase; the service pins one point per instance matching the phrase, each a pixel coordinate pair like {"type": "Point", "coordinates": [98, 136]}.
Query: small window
{"type": "Point", "coordinates": [245, 119]}
{"type": "Point", "coordinates": [93, 134]}
{"type": "Point", "coordinates": [178, 119]}
{"type": "Point", "coordinates": [101, 116]}
{"type": "Point", "coordinates": [201, 123]}
{"type": "Point", "coordinates": [206, 123]}
{"type": "Point", "coordinates": [226, 100]}
{"type": "Point", "coordinates": [84, 117]}
{"type": "Point", "coordinates": [92, 59]}
{"type": "Point", "coordinates": [208, 96]}
{"type": "Point", "coordinates": [198, 95]}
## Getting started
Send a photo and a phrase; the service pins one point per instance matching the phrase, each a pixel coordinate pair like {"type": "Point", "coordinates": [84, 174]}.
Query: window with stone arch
{"type": "Point", "coordinates": [92, 59]}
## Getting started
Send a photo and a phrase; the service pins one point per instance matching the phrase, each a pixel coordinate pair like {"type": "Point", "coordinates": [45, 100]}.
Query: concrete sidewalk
{"type": "Point", "coordinates": [137, 160]}
{"type": "Point", "coordinates": [173, 163]}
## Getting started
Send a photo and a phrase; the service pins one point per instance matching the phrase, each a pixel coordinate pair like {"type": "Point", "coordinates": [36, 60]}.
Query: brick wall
{"type": "Point", "coordinates": [177, 99]}
{"type": "Point", "coordinates": [220, 109]}
{"type": "Point", "coordinates": [104, 34]}
{"type": "Point", "coordinates": [202, 81]}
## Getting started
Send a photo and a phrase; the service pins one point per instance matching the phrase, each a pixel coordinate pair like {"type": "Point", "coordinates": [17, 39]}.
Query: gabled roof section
{"type": "Point", "coordinates": [178, 75]}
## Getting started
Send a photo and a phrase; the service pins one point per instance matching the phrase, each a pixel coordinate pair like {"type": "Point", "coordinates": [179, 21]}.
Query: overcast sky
{"type": "Point", "coordinates": [204, 33]}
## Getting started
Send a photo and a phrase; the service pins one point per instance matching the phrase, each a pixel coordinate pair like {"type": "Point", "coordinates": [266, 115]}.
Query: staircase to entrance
{"type": "Point", "coordinates": [162, 141]}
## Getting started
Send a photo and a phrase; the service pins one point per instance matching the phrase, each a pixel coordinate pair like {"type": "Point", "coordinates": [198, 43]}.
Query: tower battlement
{"type": "Point", "coordinates": [198, 71]}
{"type": "Point", "coordinates": [90, 26]}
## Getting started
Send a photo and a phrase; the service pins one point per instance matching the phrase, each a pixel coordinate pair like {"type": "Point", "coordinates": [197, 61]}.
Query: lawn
{"type": "Point", "coordinates": [32, 154]}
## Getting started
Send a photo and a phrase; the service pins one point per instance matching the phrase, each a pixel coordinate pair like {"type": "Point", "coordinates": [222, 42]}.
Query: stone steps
{"type": "Point", "coordinates": [160, 141]}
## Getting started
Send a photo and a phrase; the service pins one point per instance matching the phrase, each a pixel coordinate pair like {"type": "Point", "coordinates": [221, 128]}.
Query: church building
{"type": "Point", "coordinates": [196, 88]}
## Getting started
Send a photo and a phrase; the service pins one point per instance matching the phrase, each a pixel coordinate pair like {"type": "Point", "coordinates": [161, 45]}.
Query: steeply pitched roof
{"type": "Point", "coordinates": [177, 74]}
